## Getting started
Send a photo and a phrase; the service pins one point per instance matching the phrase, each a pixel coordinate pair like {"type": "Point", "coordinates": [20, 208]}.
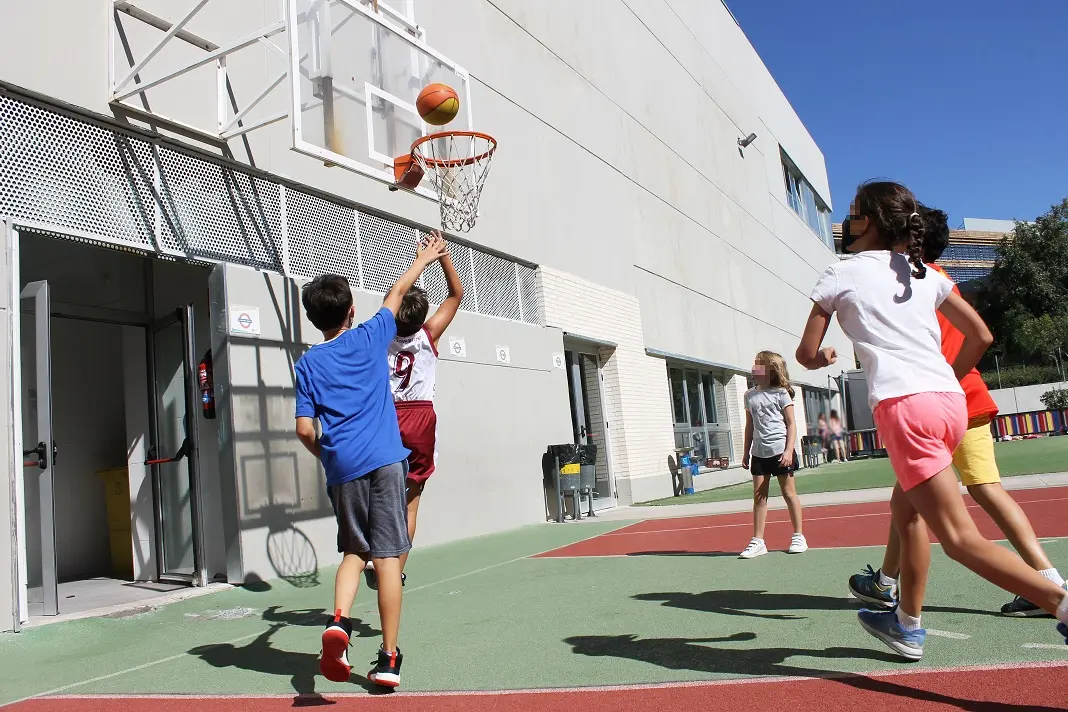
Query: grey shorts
{"type": "Point", "coordinates": [372, 513]}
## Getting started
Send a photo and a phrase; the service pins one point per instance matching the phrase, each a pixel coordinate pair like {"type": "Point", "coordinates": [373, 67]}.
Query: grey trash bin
{"type": "Point", "coordinates": [566, 476]}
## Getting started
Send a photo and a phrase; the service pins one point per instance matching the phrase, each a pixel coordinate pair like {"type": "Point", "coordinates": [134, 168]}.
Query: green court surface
{"type": "Point", "coordinates": [1021, 457]}
{"type": "Point", "coordinates": [483, 615]}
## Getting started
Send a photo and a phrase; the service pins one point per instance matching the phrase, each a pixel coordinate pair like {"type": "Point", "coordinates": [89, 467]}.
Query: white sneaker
{"type": "Point", "coordinates": [798, 545]}
{"type": "Point", "coordinates": [756, 548]}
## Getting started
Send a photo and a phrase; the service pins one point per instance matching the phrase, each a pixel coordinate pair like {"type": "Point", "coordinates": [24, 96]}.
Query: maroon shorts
{"type": "Point", "coordinates": [418, 428]}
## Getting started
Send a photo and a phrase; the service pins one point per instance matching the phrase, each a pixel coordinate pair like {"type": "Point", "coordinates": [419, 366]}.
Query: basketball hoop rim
{"type": "Point", "coordinates": [454, 162]}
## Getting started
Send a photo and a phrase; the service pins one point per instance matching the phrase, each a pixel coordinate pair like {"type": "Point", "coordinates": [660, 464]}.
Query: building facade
{"type": "Point", "coordinates": [633, 252]}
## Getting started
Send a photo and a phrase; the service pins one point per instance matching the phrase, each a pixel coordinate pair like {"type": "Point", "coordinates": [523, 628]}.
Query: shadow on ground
{"type": "Point", "coordinates": [261, 656]}
{"type": "Point", "coordinates": [699, 655]}
{"type": "Point", "coordinates": [753, 603]}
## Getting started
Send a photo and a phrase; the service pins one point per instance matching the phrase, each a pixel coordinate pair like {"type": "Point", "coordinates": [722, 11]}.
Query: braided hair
{"type": "Point", "coordinates": [894, 211]}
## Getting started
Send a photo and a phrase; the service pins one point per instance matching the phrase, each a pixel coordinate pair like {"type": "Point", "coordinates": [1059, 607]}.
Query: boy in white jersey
{"type": "Point", "coordinates": [413, 365]}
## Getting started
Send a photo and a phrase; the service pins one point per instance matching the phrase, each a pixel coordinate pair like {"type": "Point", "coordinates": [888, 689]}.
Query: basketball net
{"type": "Point", "coordinates": [456, 163]}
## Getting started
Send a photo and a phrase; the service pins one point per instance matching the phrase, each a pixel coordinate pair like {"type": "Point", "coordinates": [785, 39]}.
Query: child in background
{"type": "Point", "coordinates": [837, 438]}
{"type": "Point", "coordinates": [973, 459]}
{"type": "Point", "coordinates": [824, 435]}
{"type": "Point", "coordinates": [886, 303]}
{"type": "Point", "coordinates": [413, 364]}
{"type": "Point", "coordinates": [343, 383]}
{"type": "Point", "coordinates": [770, 433]}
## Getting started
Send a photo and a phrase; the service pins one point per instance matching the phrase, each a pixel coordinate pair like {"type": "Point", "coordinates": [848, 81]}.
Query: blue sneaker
{"type": "Point", "coordinates": [884, 626]}
{"type": "Point", "coordinates": [1062, 628]}
{"type": "Point", "coordinates": [867, 588]}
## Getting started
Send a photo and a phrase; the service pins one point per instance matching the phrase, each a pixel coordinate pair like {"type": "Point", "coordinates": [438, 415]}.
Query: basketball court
{"type": "Point", "coordinates": [608, 615]}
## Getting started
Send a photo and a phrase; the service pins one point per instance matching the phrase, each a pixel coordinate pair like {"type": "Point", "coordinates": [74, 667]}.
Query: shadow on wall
{"type": "Point", "coordinates": [280, 483]}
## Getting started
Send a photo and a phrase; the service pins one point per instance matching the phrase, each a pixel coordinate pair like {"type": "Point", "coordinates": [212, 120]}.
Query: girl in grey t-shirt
{"type": "Point", "coordinates": [770, 434]}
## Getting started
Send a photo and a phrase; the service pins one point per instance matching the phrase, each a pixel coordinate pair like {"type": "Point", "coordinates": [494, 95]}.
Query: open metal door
{"type": "Point", "coordinates": [175, 472]}
{"type": "Point", "coordinates": [39, 451]}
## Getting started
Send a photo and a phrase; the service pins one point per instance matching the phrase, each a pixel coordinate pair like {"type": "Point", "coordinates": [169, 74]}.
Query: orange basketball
{"type": "Point", "coordinates": [437, 104]}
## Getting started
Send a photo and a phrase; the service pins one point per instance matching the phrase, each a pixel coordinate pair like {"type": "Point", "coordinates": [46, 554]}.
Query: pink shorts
{"type": "Point", "coordinates": [920, 433]}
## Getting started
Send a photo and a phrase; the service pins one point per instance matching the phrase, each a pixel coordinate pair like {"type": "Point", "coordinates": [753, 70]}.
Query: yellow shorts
{"type": "Point", "coordinates": [974, 457]}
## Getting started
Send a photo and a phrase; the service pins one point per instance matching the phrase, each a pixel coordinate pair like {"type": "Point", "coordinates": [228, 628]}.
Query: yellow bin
{"type": "Point", "coordinates": [117, 496]}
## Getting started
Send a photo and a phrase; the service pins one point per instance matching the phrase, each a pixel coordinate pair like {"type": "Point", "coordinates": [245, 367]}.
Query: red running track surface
{"type": "Point", "coordinates": [825, 527]}
{"type": "Point", "coordinates": [1038, 687]}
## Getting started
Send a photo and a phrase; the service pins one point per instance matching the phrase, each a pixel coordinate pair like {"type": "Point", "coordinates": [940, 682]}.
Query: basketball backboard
{"type": "Point", "coordinates": [356, 68]}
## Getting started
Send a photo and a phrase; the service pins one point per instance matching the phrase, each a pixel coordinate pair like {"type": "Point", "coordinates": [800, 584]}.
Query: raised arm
{"type": "Point", "coordinates": [977, 337]}
{"type": "Point", "coordinates": [427, 252]}
{"type": "Point", "coordinates": [809, 354]}
{"type": "Point", "coordinates": [439, 322]}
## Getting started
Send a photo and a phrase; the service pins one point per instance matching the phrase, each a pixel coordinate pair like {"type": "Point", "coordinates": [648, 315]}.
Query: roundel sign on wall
{"type": "Point", "coordinates": [244, 321]}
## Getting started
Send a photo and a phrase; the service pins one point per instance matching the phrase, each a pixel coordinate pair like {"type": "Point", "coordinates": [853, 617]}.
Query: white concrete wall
{"type": "Point", "coordinates": [1023, 399]}
{"type": "Point", "coordinates": [646, 192]}
{"type": "Point", "coordinates": [619, 173]}
{"type": "Point", "coordinates": [494, 423]}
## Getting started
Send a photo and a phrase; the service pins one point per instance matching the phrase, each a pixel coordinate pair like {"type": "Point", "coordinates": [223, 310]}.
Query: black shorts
{"type": "Point", "coordinates": [768, 466]}
{"type": "Point", "coordinates": [372, 513]}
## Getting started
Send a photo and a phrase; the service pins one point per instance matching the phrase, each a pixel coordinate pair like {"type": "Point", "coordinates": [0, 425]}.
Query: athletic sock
{"type": "Point", "coordinates": [1062, 610]}
{"type": "Point", "coordinates": [906, 621]}
{"type": "Point", "coordinates": [1053, 575]}
{"type": "Point", "coordinates": [885, 580]}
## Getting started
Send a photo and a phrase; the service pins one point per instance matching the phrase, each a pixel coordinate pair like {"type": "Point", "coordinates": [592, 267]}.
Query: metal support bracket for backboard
{"type": "Point", "coordinates": [137, 65]}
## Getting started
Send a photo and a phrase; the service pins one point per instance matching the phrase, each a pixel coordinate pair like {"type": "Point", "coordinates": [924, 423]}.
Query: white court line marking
{"type": "Point", "coordinates": [1043, 646]}
{"type": "Point", "coordinates": [741, 524]}
{"type": "Point", "coordinates": [783, 521]}
{"type": "Point", "coordinates": [779, 679]}
{"type": "Point", "coordinates": [947, 634]}
{"type": "Point", "coordinates": [171, 658]}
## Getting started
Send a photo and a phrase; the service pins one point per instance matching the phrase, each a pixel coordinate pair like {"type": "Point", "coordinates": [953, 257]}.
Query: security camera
{"type": "Point", "coordinates": [744, 142]}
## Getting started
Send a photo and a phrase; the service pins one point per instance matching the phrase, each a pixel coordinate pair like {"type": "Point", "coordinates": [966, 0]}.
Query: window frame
{"type": "Point", "coordinates": [798, 189]}
{"type": "Point", "coordinates": [710, 426]}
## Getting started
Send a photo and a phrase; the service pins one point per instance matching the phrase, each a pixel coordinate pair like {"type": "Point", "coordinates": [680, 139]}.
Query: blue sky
{"type": "Point", "coordinates": [965, 102]}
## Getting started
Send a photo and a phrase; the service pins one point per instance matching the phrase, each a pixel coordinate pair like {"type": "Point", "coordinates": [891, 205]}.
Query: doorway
{"type": "Point", "coordinates": [589, 420]}
{"type": "Point", "coordinates": [110, 487]}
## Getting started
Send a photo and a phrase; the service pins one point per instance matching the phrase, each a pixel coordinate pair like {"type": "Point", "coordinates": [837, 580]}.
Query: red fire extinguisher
{"type": "Point", "coordinates": [207, 386]}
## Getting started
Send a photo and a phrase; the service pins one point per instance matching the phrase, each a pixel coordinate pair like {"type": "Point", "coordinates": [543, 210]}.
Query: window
{"type": "Point", "coordinates": [805, 202]}
{"type": "Point", "coordinates": [699, 407]}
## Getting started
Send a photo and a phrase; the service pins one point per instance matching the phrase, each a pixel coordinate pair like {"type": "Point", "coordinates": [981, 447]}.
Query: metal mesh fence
{"type": "Point", "coordinates": [114, 188]}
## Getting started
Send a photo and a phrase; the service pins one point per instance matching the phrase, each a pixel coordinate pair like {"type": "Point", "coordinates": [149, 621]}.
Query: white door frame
{"type": "Point", "coordinates": [577, 347]}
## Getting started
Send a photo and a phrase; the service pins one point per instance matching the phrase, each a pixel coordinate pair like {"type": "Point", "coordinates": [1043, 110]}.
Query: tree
{"type": "Point", "coordinates": [1056, 399]}
{"type": "Point", "coordinates": [1029, 281]}
{"type": "Point", "coordinates": [1046, 335]}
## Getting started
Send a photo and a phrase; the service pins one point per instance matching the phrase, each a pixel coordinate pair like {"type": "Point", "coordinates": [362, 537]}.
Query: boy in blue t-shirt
{"type": "Point", "coordinates": [344, 384]}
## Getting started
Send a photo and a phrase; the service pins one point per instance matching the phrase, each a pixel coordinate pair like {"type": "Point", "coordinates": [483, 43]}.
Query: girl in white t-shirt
{"type": "Point", "coordinates": [886, 301]}
{"type": "Point", "coordinates": [770, 434]}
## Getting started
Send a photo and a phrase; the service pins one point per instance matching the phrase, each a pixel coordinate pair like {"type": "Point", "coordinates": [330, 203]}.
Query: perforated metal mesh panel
{"type": "Point", "coordinates": [215, 212]}
{"type": "Point", "coordinates": [322, 237]}
{"type": "Point", "coordinates": [528, 293]}
{"type": "Point", "coordinates": [386, 249]}
{"type": "Point", "coordinates": [498, 286]}
{"type": "Point", "coordinates": [112, 188]}
{"type": "Point", "coordinates": [71, 174]}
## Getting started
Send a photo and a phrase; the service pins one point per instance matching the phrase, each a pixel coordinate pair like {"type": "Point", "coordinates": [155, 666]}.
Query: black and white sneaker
{"type": "Point", "coordinates": [371, 576]}
{"type": "Point", "coordinates": [334, 662]}
{"type": "Point", "coordinates": [386, 672]}
{"type": "Point", "coordinates": [1020, 607]}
